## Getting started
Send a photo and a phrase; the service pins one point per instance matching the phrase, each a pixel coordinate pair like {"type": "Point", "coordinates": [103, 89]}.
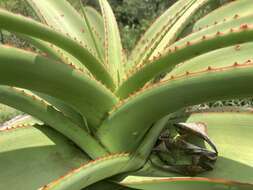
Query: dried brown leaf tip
{"type": "Point", "coordinates": [244, 26]}
{"type": "Point", "coordinates": [237, 47]}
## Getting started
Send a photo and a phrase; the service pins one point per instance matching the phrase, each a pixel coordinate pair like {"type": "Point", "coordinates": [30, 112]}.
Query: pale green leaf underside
{"type": "Point", "coordinates": [90, 173]}
{"type": "Point", "coordinates": [40, 109]}
{"type": "Point", "coordinates": [33, 156]}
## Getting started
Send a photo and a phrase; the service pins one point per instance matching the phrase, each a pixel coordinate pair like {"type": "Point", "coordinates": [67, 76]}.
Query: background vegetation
{"type": "Point", "coordinates": [133, 17]}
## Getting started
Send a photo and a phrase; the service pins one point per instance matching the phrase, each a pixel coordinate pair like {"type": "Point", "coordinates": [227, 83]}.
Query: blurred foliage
{"type": "Point", "coordinates": [133, 17]}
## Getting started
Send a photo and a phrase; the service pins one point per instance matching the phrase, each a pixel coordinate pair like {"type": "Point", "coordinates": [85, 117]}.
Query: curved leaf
{"type": "Point", "coordinates": [218, 36]}
{"type": "Point", "coordinates": [53, 52]}
{"type": "Point", "coordinates": [49, 115]}
{"type": "Point", "coordinates": [240, 53]}
{"type": "Point", "coordinates": [113, 47]}
{"type": "Point", "coordinates": [230, 11]}
{"type": "Point", "coordinates": [132, 117]}
{"type": "Point", "coordinates": [157, 31]}
{"type": "Point", "coordinates": [68, 111]}
{"type": "Point", "coordinates": [189, 183]}
{"type": "Point", "coordinates": [179, 26]}
{"type": "Point", "coordinates": [20, 24]}
{"type": "Point", "coordinates": [40, 74]}
{"type": "Point", "coordinates": [33, 156]}
{"type": "Point", "coordinates": [99, 169]}
{"type": "Point", "coordinates": [62, 16]}
{"type": "Point", "coordinates": [96, 28]}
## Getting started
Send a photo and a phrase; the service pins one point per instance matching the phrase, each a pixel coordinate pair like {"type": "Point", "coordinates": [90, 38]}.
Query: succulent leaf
{"type": "Point", "coordinates": [218, 36]}
{"type": "Point", "coordinates": [35, 152]}
{"type": "Point", "coordinates": [230, 11]}
{"type": "Point", "coordinates": [175, 31]}
{"type": "Point", "coordinates": [40, 109]}
{"type": "Point", "coordinates": [144, 109]}
{"type": "Point", "coordinates": [20, 24]}
{"type": "Point", "coordinates": [99, 169]}
{"type": "Point", "coordinates": [157, 31]}
{"type": "Point", "coordinates": [237, 54]}
{"type": "Point", "coordinates": [95, 25]}
{"type": "Point", "coordinates": [62, 16]}
{"type": "Point", "coordinates": [127, 115]}
{"type": "Point", "coordinates": [44, 75]}
{"type": "Point", "coordinates": [112, 45]}
{"type": "Point", "coordinates": [51, 51]}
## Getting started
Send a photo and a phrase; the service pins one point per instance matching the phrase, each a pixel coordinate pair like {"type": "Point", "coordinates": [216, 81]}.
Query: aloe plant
{"type": "Point", "coordinates": [105, 120]}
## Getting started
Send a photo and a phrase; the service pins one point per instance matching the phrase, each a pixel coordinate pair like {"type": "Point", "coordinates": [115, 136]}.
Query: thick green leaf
{"type": "Point", "coordinates": [37, 107]}
{"type": "Point", "coordinates": [62, 16]}
{"type": "Point", "coordinates": [223, 57]}
{"type": "Point", "coordinates": [96, 28]}
{"type": "Point", "coordinates": [90, 173]}
{"type": "Point", "coordinates": [68, 111]}
{"type": "Point", "coordinates": [187, 183]}
{"type": "Point", "coordinates": [40, 74]}
{"type": "Point", "coordinates": [230, 11]}
{"type": "Point", "coordinates": [54, 52]}
{"type": "Point", "coordinates": [132, 118]}
{"type": "Point", "coordinates": [179, 26]}
{"type": "Point", "coordinates": [157, 31]}
{"type": "Point", "coordinates": [112, 47]}
{"type": "Point", "coordinates": [20, 24]}
{"type": "Point", "coordinates": [33, 156]}
{"type": "Point", "coordinates": [222, 35]}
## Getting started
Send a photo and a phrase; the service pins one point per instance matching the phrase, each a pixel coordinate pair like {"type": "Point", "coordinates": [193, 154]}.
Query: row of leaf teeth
{"type": "Point", "coordinates": [236, 16]}
{"type": "Point", "coordinates": [172, 49]}
{"type": "Point", "coordinates": [236, 48]}
{"type": "Point", "coordinates": [19, 126]}
{"type": "Point", "coordinates": [65, 59]}
{"type": "Point", "coordinates": [106, 41]}
{"type": "Point", "coordinates": [80, 43]}
{"type": "Point", "coordinates": [74, 67]}
{"type": "Point", "coordinates": [151, 44]}
{"type": "Point", "coordinates": [85, 165]}
{"type": "Point", "coordinates": [62, 32]}
{"type": "Point", "coordinates": [163, 32]}
{"type": "Point", "coordinates": [142, 41]}
{"type": "Point", "coordinates": [151, 86]}
{"type": "Point", "coordinates": [38, 99]}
